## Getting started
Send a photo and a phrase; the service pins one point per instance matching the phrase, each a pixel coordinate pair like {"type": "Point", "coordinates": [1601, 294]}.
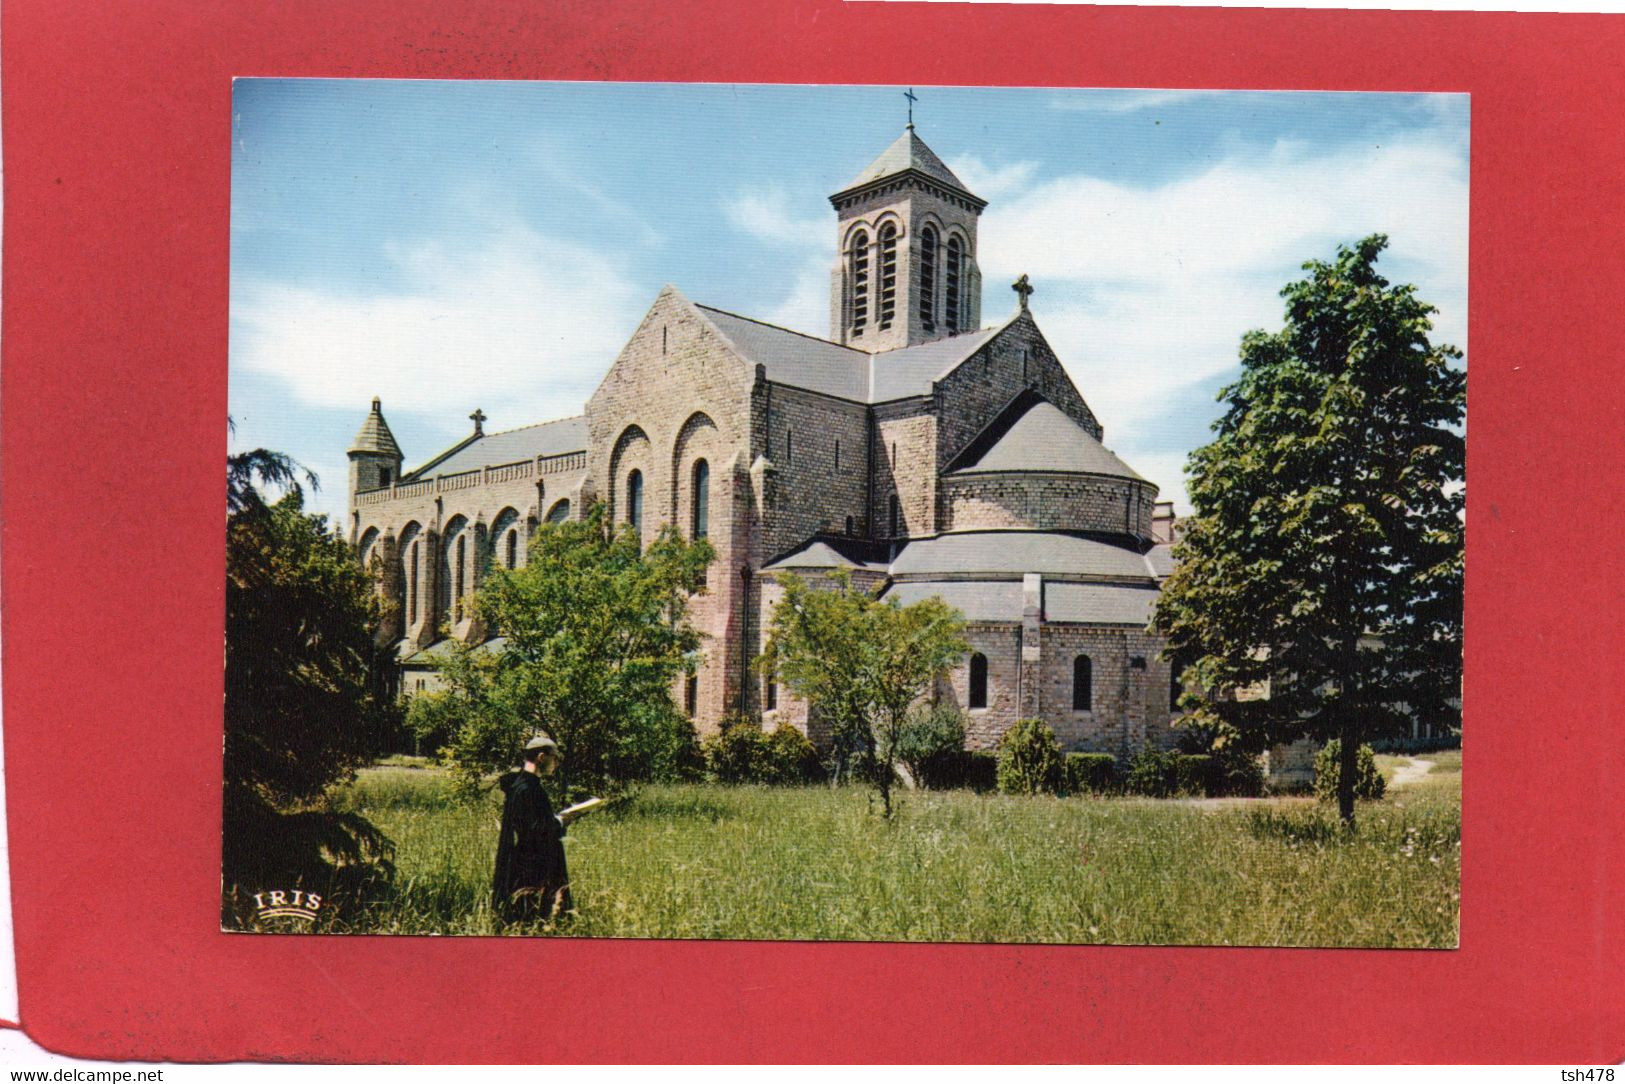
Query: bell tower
{"type": "Point", "coordinates": [905, 266]}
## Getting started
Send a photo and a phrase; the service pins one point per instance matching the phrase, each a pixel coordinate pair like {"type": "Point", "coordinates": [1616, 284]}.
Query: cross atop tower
{"type": "Point", "coordinates": [478, 418]}
{"type": "Point", "coordinates": [1023, 289]}
{"type": "Point", "coordinates": [909, 94]}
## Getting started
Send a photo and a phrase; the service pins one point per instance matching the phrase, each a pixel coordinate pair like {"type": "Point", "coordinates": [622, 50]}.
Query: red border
{"type": "Point", "coordinates": [116, 121]}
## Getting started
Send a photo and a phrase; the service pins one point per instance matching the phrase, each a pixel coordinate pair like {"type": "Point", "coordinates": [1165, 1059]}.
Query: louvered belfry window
{"type": "Point", "coordinates": [928, 278]}
{"type": "Point", "coordinates": [950, 295]}
{"type": "Point", "coordinates": [860, 281]}
{"type": "Point", "coordinates": [888, 275]}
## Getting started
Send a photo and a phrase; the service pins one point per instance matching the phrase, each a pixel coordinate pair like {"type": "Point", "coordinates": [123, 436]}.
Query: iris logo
{"type": "Point", "coordinates": [296, 904]}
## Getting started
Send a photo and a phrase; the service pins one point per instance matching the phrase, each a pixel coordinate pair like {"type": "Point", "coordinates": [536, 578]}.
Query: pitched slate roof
{"type": "Point", "coordinates": [806, 361]}
{"type": "Point", "coordinates": [1015, 552]}
{"type": "Point", "coordinates": [793, 358]}
{"type": "Point", "coordinates": [1034, 434]}
{"type": "Point", "coordinates": [441, 649]}
{"type": "Point", "coordinates": [897, 374]}
{"type": "Point", "coordinates": [510, 446]}
{"type": "Point", "coordinates": [907, 152]}
{"type": "Point", "coordinates": [832, 552]}
{"type": "Point", "coordinates": [1002, 600]}
{"type": "Point", "coordinates": [1100, 603]}
{"type": "Point", "coordinates": [375, 435]}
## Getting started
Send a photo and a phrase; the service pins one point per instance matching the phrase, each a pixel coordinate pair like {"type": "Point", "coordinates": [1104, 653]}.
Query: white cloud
{"type": "Point", "coordinates": [517, 323]}
{"type": "Point", "coordinates": [992, 182]}
{"type": "Point", "coordinates": [806, 308]}
{"type": "Point", "coordinates": [1145, 292]}
{"type": "Point", "coordinates": [767, 215]}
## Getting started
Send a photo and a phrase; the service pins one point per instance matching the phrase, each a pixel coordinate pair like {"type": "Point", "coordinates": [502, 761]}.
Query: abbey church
{"type": "Point", "coordinates": [916, 448]}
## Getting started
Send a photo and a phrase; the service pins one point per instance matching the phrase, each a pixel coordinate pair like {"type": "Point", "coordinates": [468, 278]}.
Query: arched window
{"type": "Point", "coordinates": [928, 278]}
{"type": "Point", "coordinates": [512, 543]}
{"type": "Point", "coordinates": [888, 274]}
{"type": "Point", "coordinates": [859, 261]}
{"type": "Point", "coordinates": [461, 583]}
{"type": "Point", "coordinates": [978, 680]}
{"type": "Point", "coordinates": [701, 500]}
{"type": "Point", "coordinates": [634, 501]}
{"type": "Point", "coordinates": [896, 516]}
{"type": "Point", "coordinates": [691, 695]}
{"type": "Point", "coordinates": [559, 512]}
{"type": "Point", "coordinates": [412, 587]}
{"type": "Point", "coordinates": [950, 293]}
{"type": "Point", "coordinates": [1083, 691]}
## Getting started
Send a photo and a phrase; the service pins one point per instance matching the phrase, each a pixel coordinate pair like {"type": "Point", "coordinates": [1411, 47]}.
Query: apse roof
{"type": "Point", "coordinates": [1048, 553]}
{"type": "Point", "coordinates": [1035, 434]}
{"type": "Point", "coordinates": [1002, 600]}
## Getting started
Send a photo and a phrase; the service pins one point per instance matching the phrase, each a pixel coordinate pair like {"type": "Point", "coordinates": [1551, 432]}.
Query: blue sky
{"type": "Point", "coordinates": [452, 245]}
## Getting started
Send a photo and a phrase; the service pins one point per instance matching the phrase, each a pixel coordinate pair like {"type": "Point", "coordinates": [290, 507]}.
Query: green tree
{"type": "Point", "coordinates": [862, 663]}
{"type": "Point", "coordinates": [300, 617]}
{"type": "Point", "coordinates": [1323, 562]}
{"type": "Point", "coordinates": [595, 631]}
{"type": "Point", "coordinates": [300, 709]}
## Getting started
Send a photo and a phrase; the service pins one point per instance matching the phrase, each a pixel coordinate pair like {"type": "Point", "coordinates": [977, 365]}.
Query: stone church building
{"type": "Point", "coordinates": [919, 450]}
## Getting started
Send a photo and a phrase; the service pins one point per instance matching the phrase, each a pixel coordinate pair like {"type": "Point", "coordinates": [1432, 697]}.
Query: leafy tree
{"type": "Point", "coordinates": [595, 632]}
{"type": "Point", "coordinates": [300, 709]}
{"type": "Point", "coordinates": [862, 662]}
{"type": "Point", "coordinates": [1323, 562]}
{"type": "Point", "coordinates": [300, 615]}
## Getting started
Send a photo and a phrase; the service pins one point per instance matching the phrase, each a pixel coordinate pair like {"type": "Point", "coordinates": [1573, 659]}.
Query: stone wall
{"type": "Point", "coordinates": [815, 494]}
{"type": "Point", "coordinates": [1046, 502]}
{"type": "Point", "coordinates": [1018, 358]}
{"type": "Point", "coordinates": [905, 464]}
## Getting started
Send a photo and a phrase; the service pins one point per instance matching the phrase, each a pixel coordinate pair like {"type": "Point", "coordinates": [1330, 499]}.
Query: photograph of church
{"type": "Point", "coordinates": [948, 348]}
{"type": "Point", "coordinates": [932, 443]}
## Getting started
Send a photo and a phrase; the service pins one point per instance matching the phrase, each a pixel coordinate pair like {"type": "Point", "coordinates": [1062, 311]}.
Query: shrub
{"type": "Point", "coordinates": [790, 757]}
{"type": "Point", "coordinates": [432, 718]}
{"type": "Point", "coordinates": [1092, 773]}
{"type": "Point", "coordinates": [977, 769]}
{"type": "Point", "coordinates": [1029, 759]}
{"type": "Point", "coordinates": [742, 753]}
{"type": "Point", "coordinates": [1157, 774]}
{"type": "Point", "coordinates": [1368, 781]}
{"type": "Point", "coordinates": [931, 742]}
{"type": "Point", "coordinates": [1234, 774]}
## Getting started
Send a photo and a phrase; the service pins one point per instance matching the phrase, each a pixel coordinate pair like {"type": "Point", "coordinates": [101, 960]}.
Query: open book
{"type": "Point", "coordinates": [567, 815]}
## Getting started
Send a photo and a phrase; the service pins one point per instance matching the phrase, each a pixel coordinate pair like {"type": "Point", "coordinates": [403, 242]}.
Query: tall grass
{"type": "Point", "coordinates": [815, 863]}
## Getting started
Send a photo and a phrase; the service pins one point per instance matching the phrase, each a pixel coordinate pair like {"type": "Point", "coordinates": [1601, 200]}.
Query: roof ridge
{"type": "Point", "coordinates": [533, 425]}
{"type": "Point", "coordinates": [781, 327]}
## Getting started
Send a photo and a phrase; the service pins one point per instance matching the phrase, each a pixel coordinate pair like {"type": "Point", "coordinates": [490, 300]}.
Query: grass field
{"type": "Point", "coordinates": [816, 863]}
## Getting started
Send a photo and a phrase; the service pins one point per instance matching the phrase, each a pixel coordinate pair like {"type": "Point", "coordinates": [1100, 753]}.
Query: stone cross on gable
{"type": "Point", "coordinates": [909, 94]}
{"type": "Point", "coordinates": [1023, 289]}
{"type": "Point", "coordinates": [478, 418]}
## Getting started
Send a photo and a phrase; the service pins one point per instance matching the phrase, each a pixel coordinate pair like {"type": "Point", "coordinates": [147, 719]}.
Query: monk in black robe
{"type": "Point", "coordinates": [531, 881]}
